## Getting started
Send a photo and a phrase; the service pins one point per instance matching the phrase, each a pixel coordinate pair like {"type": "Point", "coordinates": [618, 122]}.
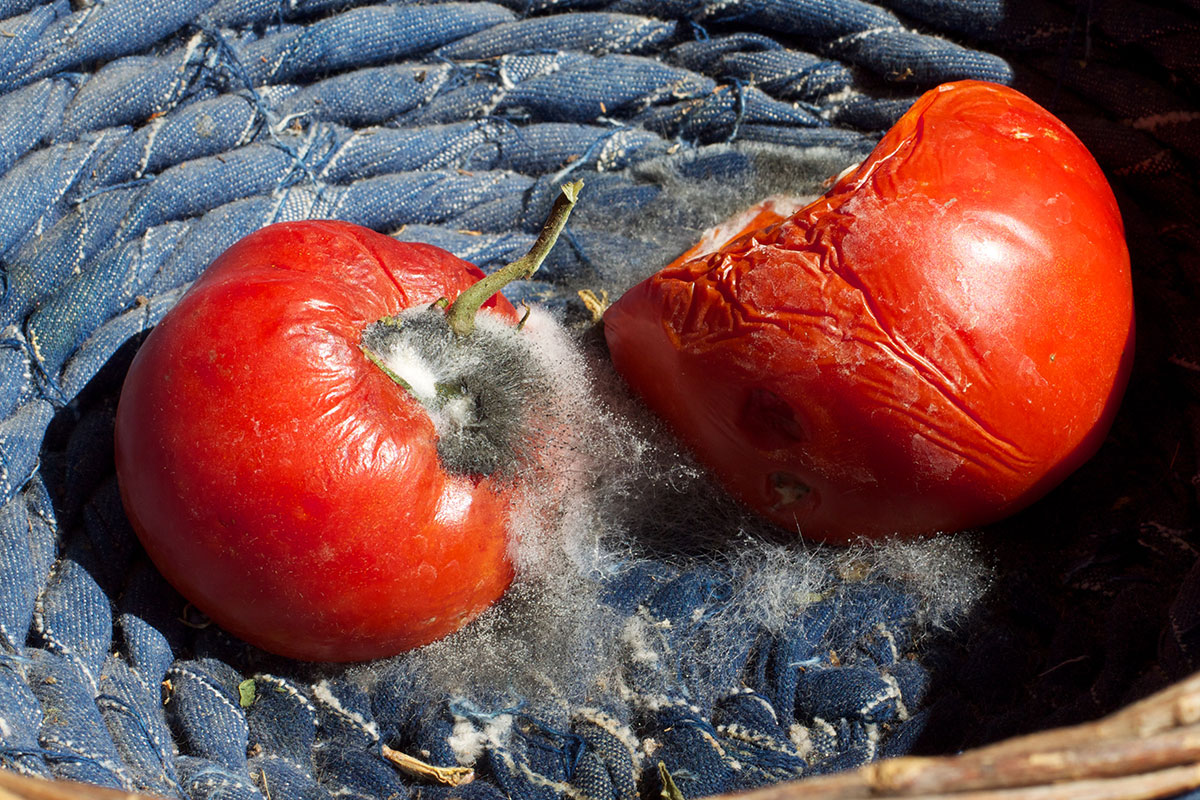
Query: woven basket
{"type": "Point", "coordinates": [138, 140]}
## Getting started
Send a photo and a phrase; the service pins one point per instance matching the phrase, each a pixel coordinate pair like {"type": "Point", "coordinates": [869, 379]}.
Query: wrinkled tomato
{"type": "Point", "coordinates": [932, 345]}
{"type": "Point", "coordinates": [284, 483]}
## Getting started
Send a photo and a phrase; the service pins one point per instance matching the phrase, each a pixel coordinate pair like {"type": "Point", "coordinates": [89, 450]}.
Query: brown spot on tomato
{"type": "Point", "coordinates": [770, 421]}
{"type": "Point", "coordinates": [790, 490]}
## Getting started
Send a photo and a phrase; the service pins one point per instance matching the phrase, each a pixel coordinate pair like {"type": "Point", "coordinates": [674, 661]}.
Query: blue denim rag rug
{"type": "Point", "coordinates": [138, 140]}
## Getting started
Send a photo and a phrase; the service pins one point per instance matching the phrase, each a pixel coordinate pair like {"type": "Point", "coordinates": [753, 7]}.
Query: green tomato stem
{"type": "Point", "coordinates": [379, 362]}
{"type": "Point", "coordinates": [461, 314]}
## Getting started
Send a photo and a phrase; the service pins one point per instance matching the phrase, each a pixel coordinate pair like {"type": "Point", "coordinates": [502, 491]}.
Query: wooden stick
{"type": "Point", "coordinates": [1146, 786]}
{"type": "Point", "coordinates": [20, 787]}
{"type": "Point", "coordinates": [1134, 752]}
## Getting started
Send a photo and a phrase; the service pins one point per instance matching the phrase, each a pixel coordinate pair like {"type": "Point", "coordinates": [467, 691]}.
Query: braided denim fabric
{"type": "Point", "coordinates": [137, 144]}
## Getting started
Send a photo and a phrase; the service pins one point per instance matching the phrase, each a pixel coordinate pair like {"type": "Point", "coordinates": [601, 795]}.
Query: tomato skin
{"type": "Point", "coordinates": [280, 480]}
{"type": "Point", "coordinates": [932, 345]}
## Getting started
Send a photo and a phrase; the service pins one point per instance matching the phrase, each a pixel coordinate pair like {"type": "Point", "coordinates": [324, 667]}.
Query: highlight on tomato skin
{"type": "Point", "coordinates": [932, 345]}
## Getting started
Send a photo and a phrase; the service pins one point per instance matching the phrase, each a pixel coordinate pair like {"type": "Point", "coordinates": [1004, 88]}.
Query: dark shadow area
{"type": "Point", "coordinates": [1096, 602]}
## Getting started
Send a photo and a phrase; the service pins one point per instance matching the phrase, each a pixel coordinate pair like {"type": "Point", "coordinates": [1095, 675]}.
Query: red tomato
{"type": "Point", "coordinates": [931, 346]}
{"type": "Point", "coordinates": [283, 482]}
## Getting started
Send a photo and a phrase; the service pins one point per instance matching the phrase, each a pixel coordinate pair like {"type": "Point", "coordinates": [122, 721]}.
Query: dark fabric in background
{"type": "Point", "coordinates": [139, 140]}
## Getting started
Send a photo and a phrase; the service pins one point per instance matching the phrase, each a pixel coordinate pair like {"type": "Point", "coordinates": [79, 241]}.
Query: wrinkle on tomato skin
{"type": "Point", "coordinates": [793, 308]}
{"type": "Point", "coordinates": [251, 550]}
{"type": "Point", "coordinates": [867, 344]}
{"type": "Point", "coordinates": [914, 374]}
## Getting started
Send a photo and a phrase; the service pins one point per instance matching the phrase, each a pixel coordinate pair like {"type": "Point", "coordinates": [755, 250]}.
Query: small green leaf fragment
{"type": "Point", "coordinates": [669, 790]}
{"type": "Point", "coordinates": [247, 691]}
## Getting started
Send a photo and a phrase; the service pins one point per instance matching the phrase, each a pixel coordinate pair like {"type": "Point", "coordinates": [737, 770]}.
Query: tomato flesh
{"type": "Point", "coordinates": [285, 484]}
{"type": "Point", "coordinates": [930, 346]}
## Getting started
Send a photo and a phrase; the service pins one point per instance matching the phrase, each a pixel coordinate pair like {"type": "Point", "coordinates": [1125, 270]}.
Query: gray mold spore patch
{"type": "Point", "coordinates": [479, 390]}
{"type": "Point", "coordinates": [946, 574]}
{"type": "Point", "coordinates": [604, 491]}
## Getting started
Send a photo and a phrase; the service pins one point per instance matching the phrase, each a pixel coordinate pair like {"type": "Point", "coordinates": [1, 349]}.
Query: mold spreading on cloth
{"type": "Point", "coordinates": [639, 585]}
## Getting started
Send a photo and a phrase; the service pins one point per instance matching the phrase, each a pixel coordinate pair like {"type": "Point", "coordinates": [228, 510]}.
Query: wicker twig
{"type": "Point", "coordinates": [1148, 749]}
{"type": "Point", "coordinates": [19, 787]}
{"type": "Point", "coordinates": [422, 770]}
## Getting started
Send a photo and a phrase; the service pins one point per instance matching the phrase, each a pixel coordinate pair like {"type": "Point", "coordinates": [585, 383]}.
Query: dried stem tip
{"type": "Point", "coordinates": [461, 314]}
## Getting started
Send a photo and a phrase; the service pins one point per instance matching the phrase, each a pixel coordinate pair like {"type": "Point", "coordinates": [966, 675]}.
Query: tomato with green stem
{"type": "Point", "coordinates": [932, 345]}
{"type": "Point", "coordinates": [294, 486]}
